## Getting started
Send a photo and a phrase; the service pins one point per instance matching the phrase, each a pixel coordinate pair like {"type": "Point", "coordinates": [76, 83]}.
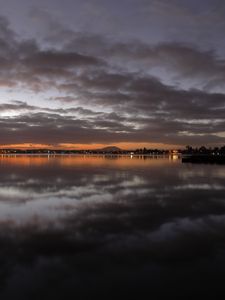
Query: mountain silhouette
{"type": "Point", "coordinates": [110, 149]}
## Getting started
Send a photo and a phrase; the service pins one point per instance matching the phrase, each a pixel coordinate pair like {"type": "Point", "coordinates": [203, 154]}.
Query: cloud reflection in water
{"type": "Point", "coordinates": [110, 226]}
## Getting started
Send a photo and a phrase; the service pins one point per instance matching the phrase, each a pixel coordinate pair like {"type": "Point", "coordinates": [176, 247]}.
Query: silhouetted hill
{"type": "Point", "coordinates": [110, 149]}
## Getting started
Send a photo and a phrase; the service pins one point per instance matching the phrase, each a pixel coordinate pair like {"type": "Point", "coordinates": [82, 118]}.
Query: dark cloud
{"type": "Point", "coordinates": [23, 61]}
{"type": "Point", "coordinates": [183, 61]}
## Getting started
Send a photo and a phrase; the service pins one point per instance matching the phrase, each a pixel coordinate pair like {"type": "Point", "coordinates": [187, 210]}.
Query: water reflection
{"type": "Point", "coordinates": [110, 226]}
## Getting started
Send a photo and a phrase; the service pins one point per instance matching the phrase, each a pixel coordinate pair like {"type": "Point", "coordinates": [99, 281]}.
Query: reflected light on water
{"type": "Point", "coordinates": [91, 160]}
{"type": "Point", "coordinates": [141, 223]}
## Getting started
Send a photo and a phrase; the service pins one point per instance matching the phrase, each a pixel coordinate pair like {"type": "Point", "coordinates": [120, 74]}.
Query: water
{"type": "Point", "coordinates": [110, 227]}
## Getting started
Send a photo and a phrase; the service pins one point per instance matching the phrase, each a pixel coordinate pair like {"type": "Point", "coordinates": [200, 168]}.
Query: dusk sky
{"type": "Point", "coordinates": [131, 73]}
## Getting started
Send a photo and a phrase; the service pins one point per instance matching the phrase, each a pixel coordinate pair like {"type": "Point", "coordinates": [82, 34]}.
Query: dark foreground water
{"type": "Point", "coordinates": [112, 228]}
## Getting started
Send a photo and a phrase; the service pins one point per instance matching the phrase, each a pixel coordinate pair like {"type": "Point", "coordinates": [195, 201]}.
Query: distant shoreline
{"type": "Point", "coordinates": [88, 154]}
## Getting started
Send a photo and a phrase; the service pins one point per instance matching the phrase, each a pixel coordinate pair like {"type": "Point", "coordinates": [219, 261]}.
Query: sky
{"type": "Point", "coordinates": [131, 73]}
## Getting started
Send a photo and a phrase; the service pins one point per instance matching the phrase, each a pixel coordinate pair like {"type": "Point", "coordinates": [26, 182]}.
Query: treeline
{"type": "Point", "coordinates": [144, 151]}
{"type": "Point", "coordinates": [204, 150]}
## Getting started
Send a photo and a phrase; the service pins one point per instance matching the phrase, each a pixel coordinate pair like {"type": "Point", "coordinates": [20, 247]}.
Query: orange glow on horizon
{"type": "Point", "coordinates": [68, 146]}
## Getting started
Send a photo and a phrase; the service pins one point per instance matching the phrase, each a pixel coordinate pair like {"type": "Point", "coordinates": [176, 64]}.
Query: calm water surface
{"type": "Point", "coordinates": [116, 227]}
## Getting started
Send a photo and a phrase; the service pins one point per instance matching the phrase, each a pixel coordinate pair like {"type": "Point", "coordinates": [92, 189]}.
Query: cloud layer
{"type": "Point", "coordinates": [112, 91]}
